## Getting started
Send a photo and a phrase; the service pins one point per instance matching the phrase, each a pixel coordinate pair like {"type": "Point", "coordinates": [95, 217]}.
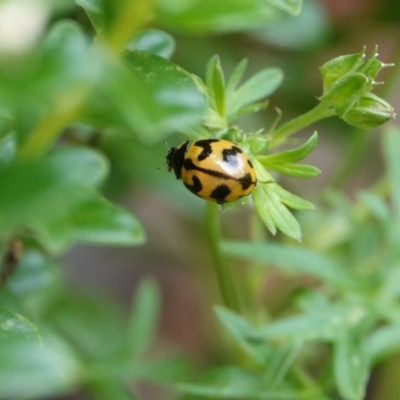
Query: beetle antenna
{"type": "Point", "coordinates": [165, 163]}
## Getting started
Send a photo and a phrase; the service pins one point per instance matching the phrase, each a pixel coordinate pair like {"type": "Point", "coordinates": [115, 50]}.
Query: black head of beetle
{"type": "Point", "coordinates": [175, 157]}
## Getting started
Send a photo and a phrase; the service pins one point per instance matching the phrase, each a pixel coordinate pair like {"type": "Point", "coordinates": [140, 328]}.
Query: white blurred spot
{"type": "Point", "coordinates": [21, 24]}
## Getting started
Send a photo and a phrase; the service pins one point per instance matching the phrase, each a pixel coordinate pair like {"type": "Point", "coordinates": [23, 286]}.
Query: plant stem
{"type": "Point", "coordinates": [321, 111]}
{"type": "Point", "coordinates": [224, 277]}
{"type": "Point", "coordinates": [48, 129]}
{"type": "Point", "coordinates": [134, 16]}
{"type": "Point", "coordinates": [10, 260]}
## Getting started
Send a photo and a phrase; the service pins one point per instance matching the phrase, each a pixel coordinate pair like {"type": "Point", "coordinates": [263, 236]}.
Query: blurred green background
{"type": "Point", "coordinates": [176, 252]}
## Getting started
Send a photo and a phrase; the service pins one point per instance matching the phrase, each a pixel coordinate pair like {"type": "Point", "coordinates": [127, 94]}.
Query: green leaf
{"type": "Point", "coordinates": [350, 367]}
{"type": "Point", "coordinates": [34, 274]}
{"type": "Point", "coordinates": [93, 220]}
{"type": "Point", "coordinates": [47, 188]}
{"type": "Point", "coordinates": [106, 15]}
{"type": "Point", "coordinates": [64, 42]}
{"type": "Point", "coordinates": [282, 217]}
{"type": "Point", "coordinates": [382, 343]}
{"type": "Point", "coordinates": [153, 97]}
{"type": "Point", "coordinates": [292, 155]}
{"type": "Point", "coordinates": [74, 165]}
{"type": "Point", "coordinates": [271, 209]}
{"type": "Point", "coordinates": [282, 162]}
{"type": "Point", "coordinates": [263, 211]}
{"type": "Point", "coordinates": [291, 259]}
{"type": "Point", "coordinates": [26, 183]}
{"type": "Point", "coordinates": [8, 148]}
{"type": "Point", "coordinates": [101, 222]}
{"type": "Point", "coordinates": [290, 6]}
{"type": "Point", "coordinates": [391, 146]}
{"type": "Point", "coordinates": [296, 170]}
{"type": "Point", "coordinates": [307, 31]}
{"type": "Point", "coordinates": [237, 383]}
{"type": "Point", "coordinates": [153, 41]}
{"type": "Point", "coordinates": [215, 82]}
{"type": "Point", "coordinates": [256, 88]}
{"type": "Point", "coordinates": [92, 5]}
{"type": "Point", "coordinates": [324, 324]}
{"type": "Point", "coordinates": [251, 108]}
{"type": "Point", "coordinates": [14, 326]}
{"type": "Point", "coordinates": [376, 206]}
{"type": "Point", "coordinates": [225, 383]}
{"type": "Point", "coordinates": [241, 330]}
{"type": "Point", "coordinates": [52, 79]}
{"type": "Point", "coordinates": [37, 370]}
{"type": "Point", "coordinates": [94, 323]}
{"type": "Point", "coordinates": [235, 77]}
{"type": "Point", "coordinates": [94, 12]}
{"type": "Point", "coordinates": [293, 201]}
{"type": "Point", "coordinates": [208, 16]}
{"type": "Point", "coordinates": [144, 318]}
{"type": "Point", "coordinates": [166, 371]}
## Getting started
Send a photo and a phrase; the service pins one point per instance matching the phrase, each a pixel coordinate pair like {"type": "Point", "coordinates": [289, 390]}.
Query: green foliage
{"type": "Point", "coordinates": [347, 83]}
{"type": "Point", "coordinates": [81, 86]}
{"type": "Point", "coordinates": [283, 162]}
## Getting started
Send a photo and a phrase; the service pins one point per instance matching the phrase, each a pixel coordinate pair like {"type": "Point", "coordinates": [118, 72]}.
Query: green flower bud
{"type": "Point", "coordinates": [348, 81]}
{"type": "Point", "coordinates": [369, 112]}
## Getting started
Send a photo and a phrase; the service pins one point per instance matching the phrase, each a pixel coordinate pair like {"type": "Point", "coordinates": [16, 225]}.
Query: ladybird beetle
{"type": "Point", "coordinates": [213, 169]}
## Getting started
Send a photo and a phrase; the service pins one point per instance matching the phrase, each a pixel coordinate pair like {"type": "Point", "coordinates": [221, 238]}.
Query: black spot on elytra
{"type": "Point", "coordinates": [250, 163]}
{"type": "Point", "coordinates": [196, 186]}
{"type": "Point", "coordinates": [230, 155]}
{"type": "Point", "coordinates": [188, 164]}
{"type": "Point", "coordinates": [205, 144]}
{"type": "Point", "coordinates": [246, 181]}
{"type": "Point", "coordinates": [220, 193]}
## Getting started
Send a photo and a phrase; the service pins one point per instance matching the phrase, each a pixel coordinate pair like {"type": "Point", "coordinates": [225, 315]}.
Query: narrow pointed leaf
{"type": "Point", "coordinates": [325, 324]}
{"type": "Point", "coordinates": [291, 259]}
{"type": "Point", "coordinates": [258, 87]}
{"type": "Point", "coordinates": [241, 330]}
{"type": "Point", "coordinates": [290, 6]}
{"type": "Point", "coordinates": [236, 76]}
{"type": "Point", "coordinates": [350, 367]}
{"type": "Point", "coordinates": [293, 201]}
{"type": "Point", "coordinates": [216, 83]}
{"type": "Point", "coordinates": [143, 321]}
{"type": "Point", "coordinates": [296, 170]}
{"type": "Point", "coordinates": [260, 202]}
{"type": "Point", "coordinates": [281, 216]}
{"type": "Point", "coordinates": [382, 343]}
{"type": "Point", "coordinates": [293, 155]}
{"type": "Point", "coordinates": [153, 41]}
